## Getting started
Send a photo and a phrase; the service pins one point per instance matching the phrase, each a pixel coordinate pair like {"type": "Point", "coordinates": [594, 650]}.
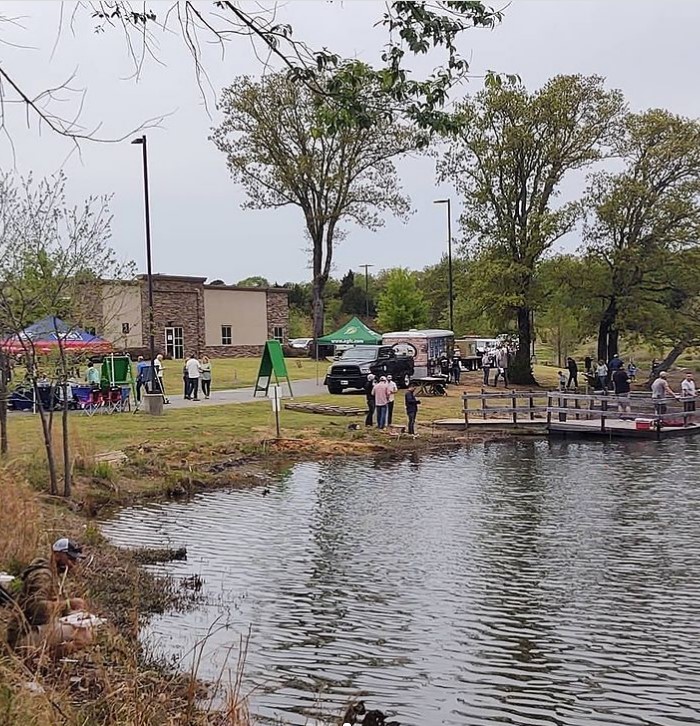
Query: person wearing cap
{"type": "Point", "coordinates": [660, 392]}
{"type": "Point", "coordinates": [36, 623]}
{"type": "Point", "coordinates": [369, 394]}
{"type": "Point", "coordinates": [688, 394]}
{"type": "Point", "coordinates": [393, 388]}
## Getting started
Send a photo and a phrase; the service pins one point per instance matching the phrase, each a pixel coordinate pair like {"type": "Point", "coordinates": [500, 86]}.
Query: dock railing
{"type": "Point", "coordinates": [606, 406]}
{"type": "Point", "coordinates": [518, 406]}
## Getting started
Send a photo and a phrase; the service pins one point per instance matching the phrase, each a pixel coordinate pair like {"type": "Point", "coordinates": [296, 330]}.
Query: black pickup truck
{"type": "Point", "coordinates": [351, 370]}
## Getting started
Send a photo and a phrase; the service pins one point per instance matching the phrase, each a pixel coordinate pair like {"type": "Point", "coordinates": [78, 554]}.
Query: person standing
{"type": "Point", "coordinates": [412, 404]}
{"type": "Point", "coordinates": [632, 370]}
{"type": "Point", "coordinates": [92, 375]}
{"type": "Point", "coordinates": [205, 376]}
{"type": "Point", "coordinates": [561, 380]}
{"type": "Point", "coordinates": [193, 373]}
{"type": "Point", "coordinates": [381, 401]}
{"type": "Point", "coordinates": [601, 376]}
{"type": "Point", "coordinates": [369, 395]}
{"type": "Point", "coordinates": [502, 361]}
{"type": "Point", "coordinates": [186, 379]}
{"type": "Point", "coordinates": [393, 388]}
{"type": "Point", "coordinates": [614, 363]}
{"type": "Point", "coordinates": [456, 367]}
{"type": "Point", "coordinates": [660, 392]}
{"type": "Point", "coordinates": [142, 371]}
{"type": "Point", "coordinates": [621, 384]}
{"type": "Point", "coordinates": [588, 365]}
{"type": "Point", "coordinates": [688, 394]}
{"type": "Point", "coordinates": [158, 386]}
{"type": "Point", "coordinates": [486, 363]}
{"type": "Point", "coordinates": [572, 367]}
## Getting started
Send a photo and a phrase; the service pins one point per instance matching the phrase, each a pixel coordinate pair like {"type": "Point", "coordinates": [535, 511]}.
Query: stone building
{"type": "Point", "coordinates": [191, 316]}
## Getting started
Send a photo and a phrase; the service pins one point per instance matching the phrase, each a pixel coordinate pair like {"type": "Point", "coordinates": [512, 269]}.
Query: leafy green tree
{"type": "Point", "coordinates": [401, 305]}
{"type": "Point", "coordinates": [507, 160]}
{"type": "Point", "coordinates": [355, 302]}
{"type": "Point", "coordinates": [254, 281]}
{"type": "Point", "coordinates": [347, 283]}
{"type": "Point", "coordinates": [275, 149]}
{"type": "Point", "coordinates": [644, 219]}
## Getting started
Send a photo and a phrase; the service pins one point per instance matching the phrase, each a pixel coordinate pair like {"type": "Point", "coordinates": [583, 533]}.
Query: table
{"type": "Point", "coordinates": [431, 386]}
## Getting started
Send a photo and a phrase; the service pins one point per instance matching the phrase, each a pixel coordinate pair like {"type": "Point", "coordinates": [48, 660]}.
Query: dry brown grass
{"type": "Point", "coordinates": [20, 521]}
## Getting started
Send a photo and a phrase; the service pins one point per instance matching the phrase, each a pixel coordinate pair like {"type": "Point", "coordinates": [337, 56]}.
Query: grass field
{"type": "Point", "coordinates": [230, 373]}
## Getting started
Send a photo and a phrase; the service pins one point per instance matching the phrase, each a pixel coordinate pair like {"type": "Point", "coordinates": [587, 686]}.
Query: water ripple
{"type": "Point", "coordinates": [511, 583]}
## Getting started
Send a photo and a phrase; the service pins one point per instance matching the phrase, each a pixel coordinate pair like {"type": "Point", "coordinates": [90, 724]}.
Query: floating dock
{"type": "Point", "coordinates": [561, 413]}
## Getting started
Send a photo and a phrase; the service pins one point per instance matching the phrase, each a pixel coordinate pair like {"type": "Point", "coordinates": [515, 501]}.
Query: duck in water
{"type": "Point", "coordinates": [354, 710]}
{"type": "Point", "coordinates": [375, 717]}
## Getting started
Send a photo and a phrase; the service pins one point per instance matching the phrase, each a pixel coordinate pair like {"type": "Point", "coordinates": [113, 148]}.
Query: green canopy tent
{"type": "Point", "coordinates": [354, 332]}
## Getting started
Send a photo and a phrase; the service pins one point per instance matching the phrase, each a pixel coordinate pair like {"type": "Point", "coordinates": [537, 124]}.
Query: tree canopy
{"type": "Point", "coordinates": [507, 160]}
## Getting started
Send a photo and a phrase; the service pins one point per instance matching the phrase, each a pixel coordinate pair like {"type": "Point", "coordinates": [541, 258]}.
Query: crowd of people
{"type": "Point", "coordinates": [196, 375]}
{"type": "Point", "coordinates": [381, 397]}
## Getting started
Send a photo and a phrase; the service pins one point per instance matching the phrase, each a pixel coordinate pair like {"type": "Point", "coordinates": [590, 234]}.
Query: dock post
{"type": "Point", "coordinates": [549, 406]}
{"type": "Point", "coordinates": [603, 409]}
{"type": "Point", "coordinates": [514, 399]}
{"type": "Point", "coordinates": [483, 404]}
{"type": "Point", "coordinates": [531, 405]}
{"type": "Point", "coordinates": [465, 406]}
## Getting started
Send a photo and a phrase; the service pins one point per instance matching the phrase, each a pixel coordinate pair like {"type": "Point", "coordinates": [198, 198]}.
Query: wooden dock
{"type": "Point", "coordinates": [564, 413]}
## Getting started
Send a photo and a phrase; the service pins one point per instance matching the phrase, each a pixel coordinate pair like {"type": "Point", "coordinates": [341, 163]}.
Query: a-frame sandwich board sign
{"type": "Point", "coordinates": [272, 363]}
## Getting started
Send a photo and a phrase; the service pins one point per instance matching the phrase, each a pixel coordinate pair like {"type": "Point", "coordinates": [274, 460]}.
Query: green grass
{"type": "Point", "coordinates": [230, 373]}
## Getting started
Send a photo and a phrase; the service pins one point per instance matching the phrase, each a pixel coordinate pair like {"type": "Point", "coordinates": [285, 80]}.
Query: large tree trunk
{"type": "Point", "coordinates": [4, 392]}
{"type": "Point", "coordinates": [607, 332]}
{"type": "Point", "coordinates": [520, 367]}
{"type": "Point", "coordinates": [673, 355]}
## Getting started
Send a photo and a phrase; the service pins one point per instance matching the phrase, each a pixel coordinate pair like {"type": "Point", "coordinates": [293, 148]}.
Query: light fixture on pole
{"type": "Point", "coordinates": [366, 268]}
{"type": "Point", "coordinates": [151, 332]}
{"type": "Point", "coordinates": [449, 257]}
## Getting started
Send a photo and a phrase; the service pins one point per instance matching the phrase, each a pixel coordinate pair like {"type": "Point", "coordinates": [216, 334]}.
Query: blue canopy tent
{"type": "Point", "coordinates": [44, 337]}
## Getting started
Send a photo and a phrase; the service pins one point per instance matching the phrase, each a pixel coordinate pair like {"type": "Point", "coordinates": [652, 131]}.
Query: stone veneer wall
{"type": "Point", "coordinates": [277, 313]}
{"type": "Point", "coordinates": [232, 351]}
{"type": "Point", "coordinates": [176, 302]}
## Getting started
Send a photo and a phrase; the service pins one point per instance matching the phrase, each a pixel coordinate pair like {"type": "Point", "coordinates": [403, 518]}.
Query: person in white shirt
{"type": "Point", "coordinates": [392, 394]}
{"type": "Point", "coordinates": [158, 386]}
{"type": "Point", "coordinates": [688, 394]}
{"type": "Point", "coordinates": [601, 375]}
{"type": "Point", "coordinates": [193, 371]}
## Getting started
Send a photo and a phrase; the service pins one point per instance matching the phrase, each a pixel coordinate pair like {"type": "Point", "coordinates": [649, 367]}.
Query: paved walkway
{"type": "Point", "coordinates": [245, 395]}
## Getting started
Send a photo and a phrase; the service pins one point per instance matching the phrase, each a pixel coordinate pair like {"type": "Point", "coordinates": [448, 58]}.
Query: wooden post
{"type": "Point", "coordinates": [465, 406]}
{"type": "Point", "coordinates": [531, 404]}
{"type": "Point", "coordinates": [549, 405]}
{"type": "Point", "coordinates": [514, 399]}
{"type": "Point", "coordinates": [603, 409]}
{"type": "Point", "coordinates": [483, 405]}
{"type": "Point", "coordinates": [577, 407]}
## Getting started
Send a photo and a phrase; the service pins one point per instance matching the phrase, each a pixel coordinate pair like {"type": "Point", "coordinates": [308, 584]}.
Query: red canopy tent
{"type": "Point", "coordinates": [44, 337]}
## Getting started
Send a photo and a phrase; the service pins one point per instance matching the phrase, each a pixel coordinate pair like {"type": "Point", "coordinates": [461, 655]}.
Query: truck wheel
{"type": "Point", "coordinates": [406, 380]}
{"type": "Point", "coordinates": [334, 389]}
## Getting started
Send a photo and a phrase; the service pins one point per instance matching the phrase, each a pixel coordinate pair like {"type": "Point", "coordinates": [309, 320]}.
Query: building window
{"type": "Point", "coordinates": [226, 335]}
{"type": "Point", "coordinates": [278, 333]}
{"type": "Point", "coordinates": [126, 328]}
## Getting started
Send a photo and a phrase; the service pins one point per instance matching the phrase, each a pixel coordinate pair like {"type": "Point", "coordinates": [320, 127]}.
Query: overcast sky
{"type": "Point", "coordinates": [648, 49]}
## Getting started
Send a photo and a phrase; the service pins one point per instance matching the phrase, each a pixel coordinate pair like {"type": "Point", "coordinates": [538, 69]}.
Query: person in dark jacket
{"type": "Point", "coordinates": [369, 394]}
{"type": "Point", "coordinates": [412, 404]}
{"type": "Point", "coordinates": [572, 367]}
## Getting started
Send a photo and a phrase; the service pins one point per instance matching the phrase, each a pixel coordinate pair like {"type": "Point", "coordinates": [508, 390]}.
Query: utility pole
{"type": "Point", "coordinates": [149, 268]}
{"type": "Point", "coordinates": [449, 257]}
{"type": "Point", "coordinates": [366, 268]}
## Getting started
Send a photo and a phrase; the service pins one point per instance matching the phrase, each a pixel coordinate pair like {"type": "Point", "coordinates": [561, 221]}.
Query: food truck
{"type": "Point", "coordinates": [425, 347]}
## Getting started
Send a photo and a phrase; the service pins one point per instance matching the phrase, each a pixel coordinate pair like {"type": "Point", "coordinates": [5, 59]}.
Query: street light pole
{"type": "Point", "coordinates": [149, 269]}
{"type": "Point", "coordinates": [366, 268]}
{"type": "Point", "coordinates": [449, 257]}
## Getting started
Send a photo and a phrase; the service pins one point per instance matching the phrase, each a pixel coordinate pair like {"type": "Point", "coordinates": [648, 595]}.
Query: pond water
{"type": "Point", "coordinates": [516, 582]}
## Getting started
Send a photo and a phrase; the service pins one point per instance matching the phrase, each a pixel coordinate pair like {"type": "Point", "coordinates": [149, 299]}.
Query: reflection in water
{"type": "Point", "coordinates": [520, 582]}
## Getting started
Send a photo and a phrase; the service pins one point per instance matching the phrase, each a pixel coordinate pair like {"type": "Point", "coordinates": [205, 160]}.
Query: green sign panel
{"type": "Point", "coordinates": [271, 363]}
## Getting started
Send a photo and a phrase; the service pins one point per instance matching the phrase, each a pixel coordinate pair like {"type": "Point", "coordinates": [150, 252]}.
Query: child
{"type": "Point", "coordinates": [562, 380]}
{"type": "Point", "coordinates": [412, 404]}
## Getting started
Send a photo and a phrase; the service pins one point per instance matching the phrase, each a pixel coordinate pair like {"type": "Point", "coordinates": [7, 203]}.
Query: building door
{"type": "Point", "coordinates": [174, 343]}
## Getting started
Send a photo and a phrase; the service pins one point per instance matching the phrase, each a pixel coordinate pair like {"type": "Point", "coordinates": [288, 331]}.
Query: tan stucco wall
{"type": "Point", "coordinates": [244, 310]}
{"type": "Point", "coordinates": [122, 304]}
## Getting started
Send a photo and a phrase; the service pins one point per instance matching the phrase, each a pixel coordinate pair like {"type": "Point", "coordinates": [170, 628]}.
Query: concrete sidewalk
{"type": "Point", "coordinates": [245, 395]}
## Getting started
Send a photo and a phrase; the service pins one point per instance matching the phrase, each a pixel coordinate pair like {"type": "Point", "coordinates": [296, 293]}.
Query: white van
{"type": "Point", "coordinates": [424, 346]}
